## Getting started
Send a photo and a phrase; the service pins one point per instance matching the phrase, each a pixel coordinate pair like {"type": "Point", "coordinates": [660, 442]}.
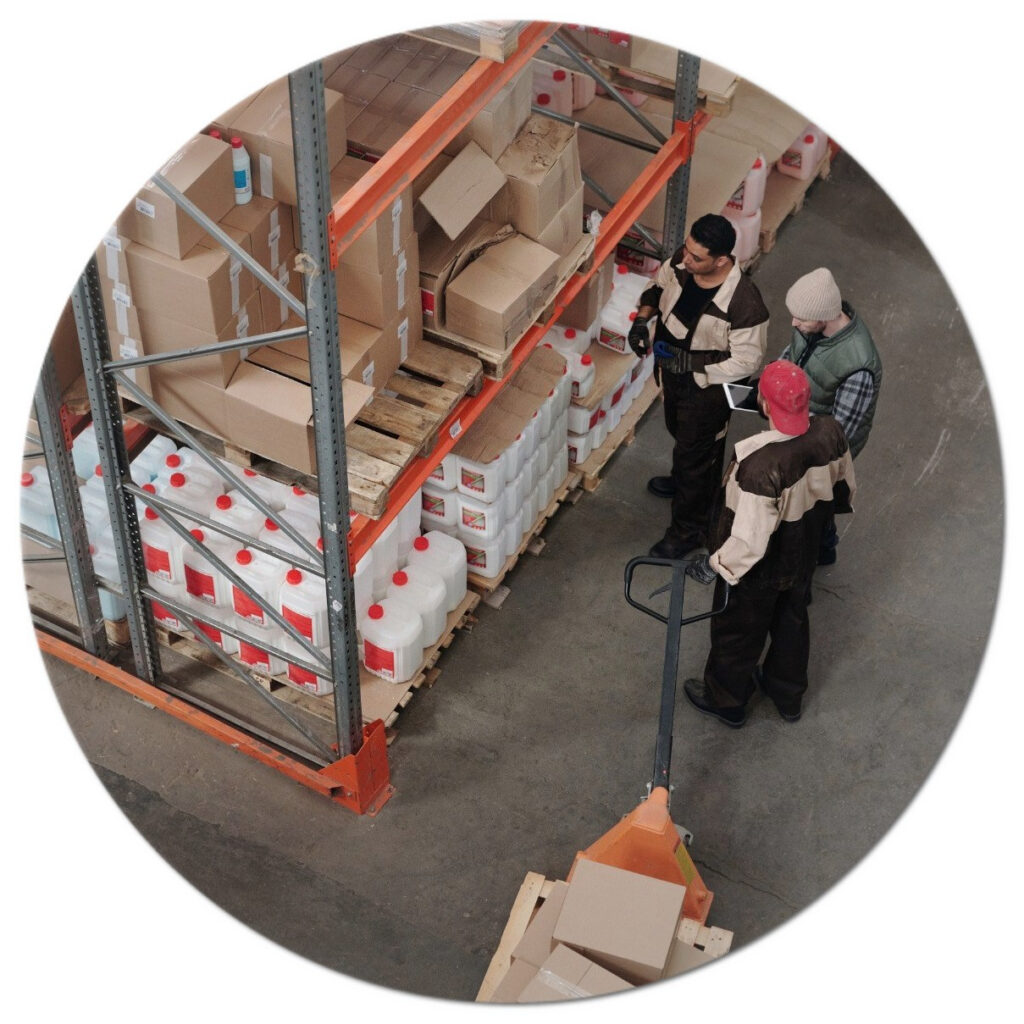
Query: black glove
{"type": "Point", "coordinates": [700, 570]}
{"type": "Point", "coordinates": [638, 338]}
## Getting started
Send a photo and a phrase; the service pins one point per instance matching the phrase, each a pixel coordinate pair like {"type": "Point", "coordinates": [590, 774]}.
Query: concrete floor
{"type": "Point", "coordinates": [539, 734]}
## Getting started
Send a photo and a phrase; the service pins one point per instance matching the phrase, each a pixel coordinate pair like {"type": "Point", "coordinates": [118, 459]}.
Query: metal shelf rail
{"type": "Point", "coordinates": [354, 772]}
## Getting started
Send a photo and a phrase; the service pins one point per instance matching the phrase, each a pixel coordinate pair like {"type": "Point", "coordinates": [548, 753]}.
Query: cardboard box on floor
{"type": "Point", "coordinates": [379, 245]}
{"type": "Point", "coordinates": [623, 921]}
{"type": "Point", "coordinates": [202, 171]}
{"type": "Point", "coordinates": [269, 225]}
{"type": "Point", "coordinates": [495, 298]}
{"type": "Point", "coordinates": [265, 127]}
{"type": "Point", "coordinates": [567, 974]}
{"type": "Point", "coordinates": [542, 169]}
{"type": "Point", "coordinates": [260, 411]}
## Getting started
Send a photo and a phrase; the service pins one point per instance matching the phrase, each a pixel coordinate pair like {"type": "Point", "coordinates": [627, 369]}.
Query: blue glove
{"type": "Point", "coordinates": [700, 570]}
{"type": "Point", "coordinates": [664, 350]}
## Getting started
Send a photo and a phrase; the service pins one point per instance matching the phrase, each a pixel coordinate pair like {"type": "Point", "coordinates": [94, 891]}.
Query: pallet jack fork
{"type": "Point", "coordinates": [646, 840]}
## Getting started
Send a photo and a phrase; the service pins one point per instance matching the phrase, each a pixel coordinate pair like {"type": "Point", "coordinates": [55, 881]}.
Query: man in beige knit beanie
{"type": "Point", "coordinates": [836, 350]}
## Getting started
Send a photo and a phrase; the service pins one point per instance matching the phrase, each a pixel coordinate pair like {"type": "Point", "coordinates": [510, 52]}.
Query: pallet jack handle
{"type": "Point", "coordinates": [675, 622]}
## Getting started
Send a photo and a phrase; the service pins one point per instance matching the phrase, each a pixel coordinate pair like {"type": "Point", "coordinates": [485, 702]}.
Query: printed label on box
{"type": "Point", "coordinates": [378, 660]}
{"type": "Point", "coordinates": [200, 584]}
{"type": "Point", "coordinates": [403, 340]}
{"type": "Point", "coordinates": [793, 158]}
{"type": "Point", "coordinates": [368, 375]}
{"type": "Point", "coordinates": [396, 230]}
{"type": "Point", "coordinates": [455, 429]}
{"type": "Point", "coordinates": [401, 279]}
{"type": "Point", "coordinates": [246, 607]}
{"type": "Point", "coordinates": [146, 209]}
{"type": "Point", "coordinates": [303, 623]}
{"type": "Point", "coordinates": [158, 562]}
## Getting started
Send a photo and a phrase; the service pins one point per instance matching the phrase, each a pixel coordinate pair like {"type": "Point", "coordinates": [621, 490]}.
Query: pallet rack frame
{"type": "Point", "coordinates": [356, 773]}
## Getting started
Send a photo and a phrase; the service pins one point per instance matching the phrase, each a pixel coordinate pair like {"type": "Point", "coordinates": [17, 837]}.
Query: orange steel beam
{"type": "Point", "coordinates": [677, 149]}
{"type": "Point", "coordinates": [360, 781]}
{"type": "Point", "coordinates": [369, 197]}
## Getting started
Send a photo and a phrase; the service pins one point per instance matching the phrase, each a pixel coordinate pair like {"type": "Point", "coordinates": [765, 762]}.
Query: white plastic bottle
{"type": "Point", "coordinates": [447, 557]}
{"type": "Point", "coordinates": [581, 420]}
{"type": "Point", "coordinates": [85, 453]}
{"type": "Point", "coordinates": [439, 507]}
{"type": "Point", "coordinates": [485, 557]}
{"type": "Point", "coordinates": [162, 552]}
{"type": "Point", "coordinates": [445, 474]}
{"type": "Point", "coordinates": [616, 324]}
{"type": "Point", "coordinates": [802, 157]}
{"type": "Point", "coordinates": [561, 464]}
{"type": "Point", "coordinates": [225, 641]}
{"type": "Point", "coordinates": [362, 584]}
{"type": "Point", "coordinates": [271, 491]}
{"type": "Point", "coordinates": [481, 480]}
{"type": "Point", "coordinates": [37, 509]}
{"type": "Point", "coordinates": [567, 339]}
{"type": "Point", "coordinates": [258, 658]}
{"type": "Point", "coordinates": [303, 604]}
{"type": "Point", "coordinates": [409, 525]}
{"type": "Point", "coordinates": [599, 432]}
{"type": "Point", "coordinates": [582, 373]}
{"type": "Point", "coordinates": [481, 519]}
{"type": "Point", "coordinates": [552, 89]}
{"type": "Point", "coordinates": [203, 580]}
{"type": "Point", "coordinates": [264, 575]}
{"type": "Point", "coordinates": [272, 534]}
{"type": "Point", "coordinates": [166, 618]}
{"type": "Point", "coordinates": [300, 500]}
{"type": "Point", "coordinates": [385, 559]}
{"type": "Point", "coordinates": [151, 458]}
{"type": "Point", "coordinates": [627, 287]}
{"type": "Point", "coordinates": [242, 167]}
{"type": "Point", "coordinates": [104, 564]}
{"type": "Point", "coordinates": [748, 197]}
{"type": "Point", "coordinates": [424, 589]}
{"type": "Point", "coordinates": [579, 445]}
{"type": "Point", "coordinates": [301, 678]}
{"type": "Point", "coordinates": [232, 509]}
{"type": "Point", "coordinates": [184, 460]}
{"type": "Point", "coordinates": [392, 635]}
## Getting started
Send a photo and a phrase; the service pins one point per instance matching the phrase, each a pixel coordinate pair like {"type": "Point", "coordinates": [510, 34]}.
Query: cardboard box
{"type": "Point", "coordinates": [274, 310]}
{"type": "Point", "coordinates": [269, 226]}
{"type": "Point", "coordinates": [66, 352]}
{"type": "Point", "coordinates": [565, 229]}
{"type": "Point", "coordinates": [380, 56]}
{"type": "Point", "coordinates": [359, 88]}
{"type": "Point", "coordinates": [496, 297]}
{"type": "Point", "coordinates": [161, 334]}
{"type": "Point", "coordinates": [265, 127]}
{"type": "Point", "coordinates": [439, 257]}
{"type": "Point", "coordinates": [204, 289]}
{"type": "Point", "coordinates": [609, 367]}
{"type": "Point", "coordinates": [542, 166]}
{"type": "Point", "coordinates": [462, 189]}
{"type": "Point", "coordinates": [384, 121]}
{"type": "Point", "coordinates": [517, 977]}
{"type": "Point", "coordinates": [684, 957]}
{"type": "Point", "coordinates": [566, 974]}
{"type": "Point", "coordinates": [494, 127]}
{"type": "Point", "coordinates": [585, 308]}
{"type": "Point", "coordinates": [537, 942]}
{"type": "Point", "coordinates": [125, 347]}
{"type": "Point", "coordinates": [202, 171]}
{"type": "Point", "coordinates": [604, 44]}
{"type": "Point", "coordinates": [430, 74]}
{"type": "Point", "coordinates": [623, 921]}
{"type": "Point", "coordinates": [379, 245]}
{"type": "Point", "coordinates": [375, 296]}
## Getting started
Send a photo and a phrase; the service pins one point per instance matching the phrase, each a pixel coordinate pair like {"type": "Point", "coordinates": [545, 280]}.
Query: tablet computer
{"type": "Point", "coordinates": [736, 394]}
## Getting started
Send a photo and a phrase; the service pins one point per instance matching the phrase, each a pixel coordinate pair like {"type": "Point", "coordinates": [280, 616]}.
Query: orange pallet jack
{"type": "Point", "coordinates": [646, 840]}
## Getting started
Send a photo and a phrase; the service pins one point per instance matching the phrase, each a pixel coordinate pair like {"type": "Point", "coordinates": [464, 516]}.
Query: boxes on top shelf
{"type": "Point", "coordinates": [357, 86]}
{"type": "Point", "coordinates": [494, 127]}
{"type": "Point", "coordinates": [384, 120]}
{"type": "Point", "coordinates": [202, 171]}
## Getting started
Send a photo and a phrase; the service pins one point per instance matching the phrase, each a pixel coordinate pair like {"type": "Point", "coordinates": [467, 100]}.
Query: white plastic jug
{"type": "Point", "coordinates": [584, 89]}
{"type": "Point", "coordinates": [162, 552]}
{"type": "Point", "coordinates": [615, 327]}
{"type": "Point", "coordinates": [582, 373]}
{"type": "Point", "coordinates": [481, 480]}
{"type": "Point", "coordinates": [750, 194]}
{"type": "Point", "coordinates": [512, 497]}
{"type": "Point", "coordinates": [272, 492]}
{"type": "Point", "coordinates": [104, 563]}
{"type": "Point", "coordinates": [567, 339]}
{"type": "Point", "coordinates": [85, 453]}
{"type": "Point", "coordinates": [385, 559]}
{"type": "Point", "coordinates": [232, 509]}
{"type": "Point", "coordinates": [197, 494]}
{"type": "Point", "coordinates": [392, 635]}
{"type": "Point", "coordinates": [184, 460]}
{"type": "Point", "coordinates": [445, 474]}
{"type": "Point", "coordinates": [579, 444]}
{"type": "Point", "coordinates": [561, 427]}
{"type": "Point", "coordinates": [485, 557]}
{"type": "Point", "coordinates": [748, 233]}
{"type": "Point", "coordinates": [409, 525]}
{"type": "Point", "coordinates": [545, 489]}
{"type": "Point", "coordinates": [561, 464]}
{"type": "Point", "coordinates": [203, 581]}
{"type": "Point", "coordinates": [258, 658]}
{"type": "Point", "coordinates": [301, 500]}
{"type": "Point", "coordinates": [264, 575]}
{"type": "Point", "coordinates": [37, 509]}
{"type": "Point", "coordinates": [481, 519]}
{"type": "Point", "coordinates": [582, 420]}
{"type": "Point", "coordinates": [802, 157]}
{"type": "Point", "coordinates": [151, 459]}
{"type": "Point", "coordinates": [447, 557]}
{"type": "Point", "coordinates": [627, 287]}
{"type": "Point", "coordinates": [438, 506]}
{"type": "Point", "coordinates": [272, 534]}
{"type": "Point", "coordinates": [165, 617]}
{"type": "Point", "coordinates": [303, 604]}
{"type": "Point", "coordinates": [600, 432]}
{"type": "Point", "coordinates": [563, 390]}
{"type": "Point", "coordinates": [362, 584]}
{"type": "Point", "coordinates": [515, 456]}
{"type": "Point", "coordinates": [552, 88]}
{"type": "Point", "coordinates": [225, 641]}
{"type": "Point", "coordinates": [301, 678]}
{"type": "Point", "coordinates": [513, 532]}
{"type": "Point", "coordinates": [546, 414]}
{"type": "Point", "coordinates": [423, 589]}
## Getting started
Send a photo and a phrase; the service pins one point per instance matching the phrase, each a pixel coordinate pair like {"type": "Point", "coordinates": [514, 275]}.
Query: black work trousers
{"type": "Point", "coordinates": [756, 614]}
{"type": "Point", "coordinates": [698, 420]}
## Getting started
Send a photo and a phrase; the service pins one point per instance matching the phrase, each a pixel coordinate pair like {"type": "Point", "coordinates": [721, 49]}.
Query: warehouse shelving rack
{"type": "Point", "coordinates": [354, 771]}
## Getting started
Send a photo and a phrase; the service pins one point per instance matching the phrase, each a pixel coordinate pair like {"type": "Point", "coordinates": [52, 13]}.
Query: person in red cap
{"type": "Point", "coordinates": [781, 489]}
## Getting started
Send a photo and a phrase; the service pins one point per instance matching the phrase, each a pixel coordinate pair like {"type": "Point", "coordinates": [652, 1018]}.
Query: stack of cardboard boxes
{"type": "Point", "coordinates": [605, 930]}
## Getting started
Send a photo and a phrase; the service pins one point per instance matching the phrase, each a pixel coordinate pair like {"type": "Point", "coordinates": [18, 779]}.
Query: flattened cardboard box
{"type": "Point", "coordinates": [375, 297]}
{"type": "Point", "coordinates": [265, 127]}
{"type": "Point", "coordinates": [495, 298]}
{"type": "Point", "coordinates": [519, 974]}
{"type": "Point", "coordinates": [269, 226]}
{"type": "Point", "coordinates": [566, 974]}
{"type": "Point", "coordinates": [623, 921]}
{"type": "Point", "coordinates": [201, 290]}
{"type": "Point", "coordinates": [202, 171]}
{"type": "Point", "coordinates": [609, 367]}
{"type": "Point", "coordinates": [379, 245]}
{"type": "Point", "coordinates": [542, 166]}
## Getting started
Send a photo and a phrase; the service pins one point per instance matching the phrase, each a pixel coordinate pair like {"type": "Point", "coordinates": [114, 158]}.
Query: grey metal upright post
{"type": "Point", "coordinates": [70, 519]}
{"type": "Point", "coordinates": [306, 88]}
{"type": "Point", "coordinates": [87, 303]}
{"type": "Point", "coordinates": [687, 72]}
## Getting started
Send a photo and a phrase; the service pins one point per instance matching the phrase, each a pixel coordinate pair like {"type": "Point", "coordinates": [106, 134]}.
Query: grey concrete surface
{"type": "Point", "coordinates": [540, 732]}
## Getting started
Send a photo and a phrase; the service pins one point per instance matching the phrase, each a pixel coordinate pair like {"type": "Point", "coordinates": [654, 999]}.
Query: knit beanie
{"type": "Point", "coordinates": [815, 296]}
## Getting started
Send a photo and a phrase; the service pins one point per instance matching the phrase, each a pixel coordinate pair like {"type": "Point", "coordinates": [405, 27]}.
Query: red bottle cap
{"type": "Point", "coordinates": [224, 501]}
{"type": "Point", "coordinates": [375, 611]}
{"type": "Point", "coordinates": [559, 75]}
{"type": "Point", "coordinates": [92, 549]}
{"type": "Point", "coordinates": [99, 470]}
{"type": "Point", "coordinates": [400, 579]}
{"type": "Point", "coordinates": [809, 139]}
{"type": "Point", "coordinates": [421, 543]}
{"type": "Point", "coordinates": [271, 525]}
{"type": "Point", "coordinates": [236, 142]}
{"type": "Point", "coordinates": [547, 344]}
{"type": "Point", "coordinates": [320, 544]}
{"type": "Point", "coordinates": [543, 99]}
{"type": "Point", "coordinates": [215, 133]}
{"type": "Point", "coordinates": [150, 513]}
{"type": "Point", "coordinates": [586, 359]}
{"type": "Point", "coordinates": [199, 535]}
{"type": "Point", "coordinates": [757, 164]}
{"type": "Point", "coordinates": [603, 414]}
{"type": "Point", "coordinates": [249, 472]}
{"type": "Point", "coordinates": [632, 316]}
{"type": "Point", "coordinates": [27, 479]}
{"type": "Point", "coordinates": [621, 268]}
{"type": "Point", "coordinates": [570, 332]}
{"type": "Point", "coordinates": [173, 460]}
{"type": "Point", "coordinates": [294, 577]}
{"type": "Point", "coordinates": [149, 488]}
{"type": "Point", "coordinates": [297, 490]}
{"type": "Point", "coordinates": [177, 480]}
{"type": "Point", "coordinates": [244, 557]}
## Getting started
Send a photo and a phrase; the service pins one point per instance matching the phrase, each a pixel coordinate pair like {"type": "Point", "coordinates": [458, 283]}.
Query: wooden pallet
{"type": "Point", "coordinates": [496, 363]}
{"type": "Point", "coordinates": [494, 40]}
{"type": "Point", "coordinates": [784, 197]}
{"type": "Point", "coordinates": [379, 698]}
{"type": "Point", "coordinates": [397, 425]}
{"type": "Point", "coordinates": [492, 589]}
{"type": "Point", "coordinates": [711, 941]}
{"type": "Point", "coordinates": [622, 436]}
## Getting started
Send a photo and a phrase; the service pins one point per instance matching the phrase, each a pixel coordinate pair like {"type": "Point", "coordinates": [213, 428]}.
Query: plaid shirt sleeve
{"type": "Point", "coordinates": [853, 397]}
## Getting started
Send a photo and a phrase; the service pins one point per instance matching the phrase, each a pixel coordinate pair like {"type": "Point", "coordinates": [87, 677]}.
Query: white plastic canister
{"type": "Point", "coordinates": [385, 558]}
{"type": "Point", "coordinates": [259, 659]}
{"type": "Point", "coordinates": [447, 557]}
{"type": "Point", "coordinates": [272, 534]}
{"type": "Point", "coordinates": [85, 453]}
{"type": "Point", "coordinates": [582, 420]}
{"type": "Point", "coordinates": [615, 327]}
{"type": "Point", "coordinates": [203, 580]}
{"type": "Point", "coordinates": [303, 604]}
{"type": "Point", "coordinates": [104, 563]}
{"type": "Point", "coordinates": [446, 473]}
{"type": "Point", "coordinates": [37, 509]}
{"type": "Point", "coordinates": [225, 641]}
{"type": "Point", "coordinates": [362, 584]}
{"type": "Point", "coordinates": [423, 589]}
{"type": "Point", "coordinates": [485, 557]}
{"type": "Point", "coordinates": [579, 444]}
{"type": "Point", "coordinates": [264, 575]}
{"type": "Point", "coordinates": [582, 373]}
{"type": "Point", "coordinates": [748, 233]}
{"type": "Point", "coordinates": [482, 519]}
{"type": "Point", "coordinates": [301, 500]}
{"type": "Point", "coordinates": [272, 492]}
{"type": "Point", "coordinates": [552, 88]}
{"type": "Point", "coordinates": [481, 480]}
{"type": "Point", "coordinates": [165, 617]}
{"type": "Point", "coordinates": [408, 520]}
{"type": "Point", "coordinates": [162, 551]}
{"type": "Point", "coordinates": [151, 459]}
{"type": "Point", "coordinates": [750, 194]}
{"type": "Point", "coordinates": [567, 340]}
{"type": "Point", "coordinates": [438, 507]}
{"type": "Point", "coordinates": [301, 678]}
{"type": "Point", "coordinates": [197, 494]}
{"type": "Point", "coordinates": [802, 157]}
{"type": "Point", "coordinates": [392, 635]}
{"type": "Point", "coordinates": [232, 509]}
{"type": "Point", "coordinates": [513, 532]}
{"type": "Point", "coordinates": [184, 460]}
